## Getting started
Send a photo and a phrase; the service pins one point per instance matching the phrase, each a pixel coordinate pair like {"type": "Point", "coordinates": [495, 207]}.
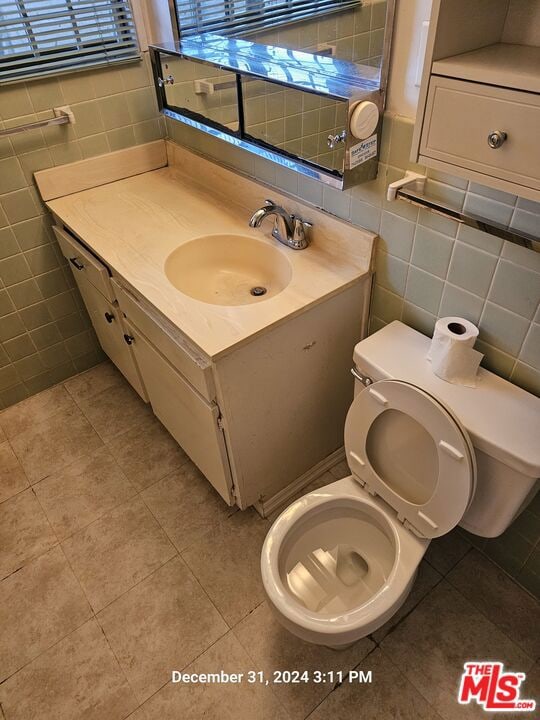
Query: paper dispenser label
{"type": "Point", "coordinates": [362, 151]}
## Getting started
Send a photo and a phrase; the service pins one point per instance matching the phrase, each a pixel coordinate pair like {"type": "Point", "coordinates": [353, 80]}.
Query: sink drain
{"type": "Point", "coordinates": [258, 290]}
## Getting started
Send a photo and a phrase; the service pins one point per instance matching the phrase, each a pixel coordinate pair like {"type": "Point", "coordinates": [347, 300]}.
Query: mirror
{"type": "Point", "coordinates": [299, 123]}
{"type": "Point", "coordinates": [354, 34]}
{"type": "Point", "coordinates": [300, 82]}
{"type": "Point", "coordinates": [193, 90]}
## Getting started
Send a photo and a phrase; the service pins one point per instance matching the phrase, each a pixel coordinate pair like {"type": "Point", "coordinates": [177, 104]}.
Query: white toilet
{"type": "Point", "coordinates": [425, 456]}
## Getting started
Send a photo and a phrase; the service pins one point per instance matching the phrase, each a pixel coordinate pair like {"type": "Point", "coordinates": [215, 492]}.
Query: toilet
{"type": "Point", "coordinates": [425, 455]}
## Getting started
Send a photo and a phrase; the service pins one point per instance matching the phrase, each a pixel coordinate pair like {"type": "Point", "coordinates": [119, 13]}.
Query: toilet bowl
{"type": "Point", "coordinates": [337, 566]}
{"type": "Point", "coordinates": [340, 561]}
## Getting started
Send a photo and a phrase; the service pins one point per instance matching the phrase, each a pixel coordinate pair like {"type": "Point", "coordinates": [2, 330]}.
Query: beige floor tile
{"type": "Point", "coordinates": [93, 381]}
{"type": "Point", "coordinates": [12, 476]}
{"type": "Point", "coordinates": [24, 532]}
{"type": "Point", "coordinates": [432, 643]}
{"type": "Point", "coordinates": [180, 623]}
{"type": "Point", "coordinates": [39, 605]}
{"type": "Point", "coordinates": [273, 648]}
{"type": "Point", "coordinates": [117, 551]}
{"type": "Point", "coordinates": [54, 443]}
{"type": "Point", "coordinates": [82, 492]}
{"type": "Point", "coordinates": [3, 436]}
{"type": "Point", "coordinates": [115, 411]}
{"type": "Point", "coordinates": [388, 697]}
{"type": "Point", "coordinates": [445, 552]}
{"type": "Point", "coordinates": [186, 505]}
{"type": "Point", "coordinates": [426, 579]}
{"type": "Point", "coordinates": [227, 564]}
{"type": "Point", "coordinates": [25, 415]}
{"type": "Point", "coordinates": [515, 612]}
{"type": "Point", "coordinates": [215, 701]}
{"type": "Point", "coordinates": [147, 453]}
{"type": "Point", "coordinates": [77, 679]}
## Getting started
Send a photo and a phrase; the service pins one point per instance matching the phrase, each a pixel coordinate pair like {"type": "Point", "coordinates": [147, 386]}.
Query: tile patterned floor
{"type": "Point", "coordinates": [119, 563]}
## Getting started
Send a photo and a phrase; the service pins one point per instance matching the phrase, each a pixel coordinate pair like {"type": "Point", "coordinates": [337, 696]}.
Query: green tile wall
{"type": "Point", "coordinates": [45, 333]}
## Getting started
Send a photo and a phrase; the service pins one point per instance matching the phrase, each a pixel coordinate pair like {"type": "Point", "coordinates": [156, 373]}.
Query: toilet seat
{"type": "Point", "coordinates": [413, 476]}
{"type": "Point", "coordinates": [430, 484]}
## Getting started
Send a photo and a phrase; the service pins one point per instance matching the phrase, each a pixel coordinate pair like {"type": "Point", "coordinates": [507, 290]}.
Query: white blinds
{"type": "Point", "coordinates": [41, 37]}
{"type": "Point", "coordinates": [232, 17]}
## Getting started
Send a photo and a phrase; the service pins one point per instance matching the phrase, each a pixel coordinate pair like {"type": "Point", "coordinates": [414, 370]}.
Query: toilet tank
{"type": "Point", "coordinates": [502, 420]}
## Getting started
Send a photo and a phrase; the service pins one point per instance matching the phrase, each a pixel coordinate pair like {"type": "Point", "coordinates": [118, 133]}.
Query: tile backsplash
{"type": "Point", "coordinates": [45, 333]}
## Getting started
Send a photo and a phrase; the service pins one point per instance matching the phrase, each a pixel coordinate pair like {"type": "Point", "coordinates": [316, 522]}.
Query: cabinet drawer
{"type": "Point", "coordinates": [191, 420]}
{"type": "Point", "coordinates": [108, 324]}
{"type": "Point", "coordinates": [84, 263]}
{"type": "Point", "coordinates": [460, 116]}
{"type": "Point", "coordinates": [168, 340]}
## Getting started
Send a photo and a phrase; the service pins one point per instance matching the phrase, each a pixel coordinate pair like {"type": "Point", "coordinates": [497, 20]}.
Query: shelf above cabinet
{"type": "Point", "coordinates": [501, 64]}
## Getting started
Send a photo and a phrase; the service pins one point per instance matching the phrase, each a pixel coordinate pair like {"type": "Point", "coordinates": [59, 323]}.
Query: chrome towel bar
{"type": "Point", "coordinates": [63, 116]}
{"type": "Point", "coordinates": [412, 189]}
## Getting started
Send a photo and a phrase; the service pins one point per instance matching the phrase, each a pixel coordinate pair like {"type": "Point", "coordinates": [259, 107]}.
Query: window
{"type": "Point", "coordinates": [234, 17]}
{"type": "Point", "coordinates": [46, 37]}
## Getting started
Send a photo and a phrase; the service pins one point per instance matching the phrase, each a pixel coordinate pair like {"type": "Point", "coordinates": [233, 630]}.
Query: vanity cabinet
{"type": "Point", "coordinates": [479, 106]}
{"type": "Point", "coordinates": [93, 281]}
{"type": "Point", "coordinates": [259, 421]}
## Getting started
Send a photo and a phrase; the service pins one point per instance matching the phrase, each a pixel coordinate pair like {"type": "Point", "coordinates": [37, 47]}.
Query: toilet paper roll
{"type": "Point", "coordinates": [451, 352]}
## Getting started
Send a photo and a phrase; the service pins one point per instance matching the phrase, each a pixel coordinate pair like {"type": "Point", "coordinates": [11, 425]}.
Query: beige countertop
{"type": "Point", "coordinates": [135, 223]}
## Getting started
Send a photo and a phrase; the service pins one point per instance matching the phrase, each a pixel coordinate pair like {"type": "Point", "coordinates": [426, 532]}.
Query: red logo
{"type": "Point", "coordinates": [489, 685]}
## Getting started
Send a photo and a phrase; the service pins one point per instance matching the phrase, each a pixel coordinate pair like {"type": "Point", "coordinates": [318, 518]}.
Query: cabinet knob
{"type": "Point", "coordinates": [129, 339]}
{"type": "Point", "coordinates": [496, 138]}
{"type": "Point", "coordinates": [109, 317]}
{"type": "Point", "coordinates": [77, 263]}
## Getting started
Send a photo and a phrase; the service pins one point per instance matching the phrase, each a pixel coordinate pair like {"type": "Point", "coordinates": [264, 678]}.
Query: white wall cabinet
{"type": "Point", "coordinates": [479, 107]}
{"type": "Point", "coordinates": [261, 421]}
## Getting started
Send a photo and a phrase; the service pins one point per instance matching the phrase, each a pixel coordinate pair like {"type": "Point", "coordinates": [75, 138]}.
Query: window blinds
{"type": "Point", "coordinates": [45, 37]}
{"type": "Point", "coordinates": [233, 17]}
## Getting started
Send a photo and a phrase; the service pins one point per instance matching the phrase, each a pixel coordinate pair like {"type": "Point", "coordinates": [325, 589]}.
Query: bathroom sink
{"type": "Point", "coordinates": [228, 269]}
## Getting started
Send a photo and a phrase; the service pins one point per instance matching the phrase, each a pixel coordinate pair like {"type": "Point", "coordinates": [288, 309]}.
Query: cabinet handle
{"type": "Point", "coordinates": [109, 317]}
{"type": "Point", "coordinates": [129, 339]}
{"type": "Point", "coordinates": [496, 138]}
{"type": "Point", "coordinates": [78, 264]}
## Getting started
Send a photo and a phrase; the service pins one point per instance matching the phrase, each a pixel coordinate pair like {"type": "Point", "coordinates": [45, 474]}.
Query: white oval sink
{"type": "Point", "coordinates": [228, 269]}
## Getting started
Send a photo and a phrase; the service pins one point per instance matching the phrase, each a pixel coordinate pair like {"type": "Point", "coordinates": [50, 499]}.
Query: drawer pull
{"type": "Point", "coordinates": [496, 138]}
{"type": "Point", "coordinates": [129, 339]}
{"type": "Point", "coordinates": [77, 263]}
{"type": "Point", "coordinates": [109, 317]}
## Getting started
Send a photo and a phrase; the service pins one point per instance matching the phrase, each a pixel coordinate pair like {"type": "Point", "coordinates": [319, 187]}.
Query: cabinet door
{"type": "Point", "coordinates": [191, 420]}
{"type": "Point", "coordinates": [107, 322]}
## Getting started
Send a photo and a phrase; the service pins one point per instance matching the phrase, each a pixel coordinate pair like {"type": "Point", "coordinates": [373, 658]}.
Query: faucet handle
{"type": "Point", "coordinates": [269, 202]}
{"type": "Point", "coordinates": [301, 233]}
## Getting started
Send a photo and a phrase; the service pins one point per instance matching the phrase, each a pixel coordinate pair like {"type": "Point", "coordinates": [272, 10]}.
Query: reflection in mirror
{"type": "Point", "coordinates": [296, 122]}
{"type": "Point", "coordinates": [355, 34]}
{"type": "Point", "coordinates": [349, 30]}
{"type": "Point", "coordinates": [198, 88]}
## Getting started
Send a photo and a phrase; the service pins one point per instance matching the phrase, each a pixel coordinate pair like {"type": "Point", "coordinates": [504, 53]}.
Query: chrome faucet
{"type": "Point", "coordinates": [288, 229]}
